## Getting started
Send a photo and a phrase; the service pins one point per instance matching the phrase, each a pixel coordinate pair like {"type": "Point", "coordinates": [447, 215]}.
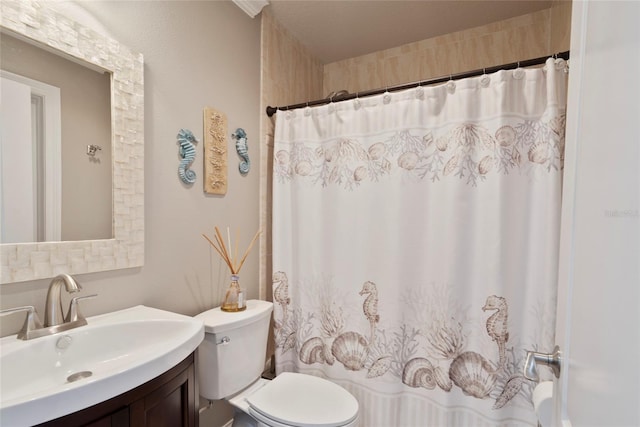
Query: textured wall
{"type": "Point", "coordinates": [522, 37]}
{"type": "Point", "coordinates": [560, 25]}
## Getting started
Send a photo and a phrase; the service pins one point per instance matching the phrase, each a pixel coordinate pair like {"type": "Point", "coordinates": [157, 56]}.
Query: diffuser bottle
{"type": "Point", "coordinates": [234, 299]}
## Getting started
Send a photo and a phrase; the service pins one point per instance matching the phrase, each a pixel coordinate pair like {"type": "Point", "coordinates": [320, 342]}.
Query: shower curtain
{"type": "Point", "coordinates": [415, 245]}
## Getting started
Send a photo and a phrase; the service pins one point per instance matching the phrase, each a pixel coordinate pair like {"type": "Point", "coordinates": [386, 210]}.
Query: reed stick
{"type": "Point", "coordinates": [220, 241]}
{"type": "Point", "coordinates": [235, 252]}
{"type": "Point", "coordinates": [213, 244]}
{"type": "Point", "coordinates": [230, 255]}
{"type": "Point", "coordinates": [253, 241]}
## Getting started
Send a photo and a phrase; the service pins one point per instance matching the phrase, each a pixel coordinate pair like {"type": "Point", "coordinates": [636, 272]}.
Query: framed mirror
{"type": "Point", "coordinates": [121, 153]}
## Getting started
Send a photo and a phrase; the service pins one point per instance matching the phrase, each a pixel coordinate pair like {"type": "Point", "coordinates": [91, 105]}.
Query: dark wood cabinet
{"type": "Point", "coordinates": [169, 400]}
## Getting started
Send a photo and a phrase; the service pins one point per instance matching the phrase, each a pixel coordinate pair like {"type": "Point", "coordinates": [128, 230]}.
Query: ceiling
{"type": "Point", "coordinates": [333, 30]}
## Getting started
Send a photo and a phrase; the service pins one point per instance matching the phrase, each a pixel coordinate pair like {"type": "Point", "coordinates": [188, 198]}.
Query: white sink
{"type": "Point", "coordinates": [114, 353]}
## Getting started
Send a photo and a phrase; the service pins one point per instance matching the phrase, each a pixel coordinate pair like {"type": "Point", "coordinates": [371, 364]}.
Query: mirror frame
{"type": "Point", "coordinates": [34, 21]}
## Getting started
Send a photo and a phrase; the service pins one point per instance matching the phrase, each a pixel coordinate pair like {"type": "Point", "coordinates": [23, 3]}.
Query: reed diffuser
{"type": "Point", "coordinates": [234, 299]}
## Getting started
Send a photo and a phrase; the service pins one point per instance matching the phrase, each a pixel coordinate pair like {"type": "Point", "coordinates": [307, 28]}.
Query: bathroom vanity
{"type": "Point", "coordinates": [170, 400]}
{"type": "Point", "coordinates": [132, 367]}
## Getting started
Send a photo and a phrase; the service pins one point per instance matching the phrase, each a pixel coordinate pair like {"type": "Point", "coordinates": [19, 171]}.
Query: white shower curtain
{"type": "Point", "coordinates": [415, 245]}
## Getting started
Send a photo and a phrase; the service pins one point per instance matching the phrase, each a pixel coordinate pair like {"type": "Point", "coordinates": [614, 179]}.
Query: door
{"type": "Point", "coordinates": [30, 163]}
{"type": "Point", "coordinates": [17, 182]}
{"type": "Point", "coordinates": [598, 323]}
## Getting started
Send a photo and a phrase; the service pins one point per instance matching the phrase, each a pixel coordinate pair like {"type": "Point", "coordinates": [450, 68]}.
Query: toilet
{"type": "Point", "coordinates": [230, 363]}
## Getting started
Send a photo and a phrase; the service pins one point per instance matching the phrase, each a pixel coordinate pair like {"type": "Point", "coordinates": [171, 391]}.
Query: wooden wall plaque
{"type": "Point", "coordinates": [215, 151]}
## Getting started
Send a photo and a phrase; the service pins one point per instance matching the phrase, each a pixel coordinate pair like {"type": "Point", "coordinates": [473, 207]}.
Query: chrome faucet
{"type": "Point", "coordinates": [53, 314]}
{"type": "Point", "coordinates": [54, 321]}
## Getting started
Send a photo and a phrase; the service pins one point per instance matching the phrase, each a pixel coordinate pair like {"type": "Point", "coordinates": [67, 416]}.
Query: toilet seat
{"type": "Point", "coordinates": [299, 400]}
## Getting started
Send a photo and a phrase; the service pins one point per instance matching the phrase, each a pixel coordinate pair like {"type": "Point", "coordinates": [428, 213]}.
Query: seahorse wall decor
{"type": "Point", "coordinates": [241, 148]}
{"type": "Point", "coordinates": [187, 153]}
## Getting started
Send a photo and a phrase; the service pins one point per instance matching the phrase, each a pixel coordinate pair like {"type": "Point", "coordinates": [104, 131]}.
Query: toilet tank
{"type": "Point", "coordinates": [233, 352]}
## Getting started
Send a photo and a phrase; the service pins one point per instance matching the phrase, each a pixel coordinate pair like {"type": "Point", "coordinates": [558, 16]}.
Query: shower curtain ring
{"type": "Point", "coordinates": [356, 102]}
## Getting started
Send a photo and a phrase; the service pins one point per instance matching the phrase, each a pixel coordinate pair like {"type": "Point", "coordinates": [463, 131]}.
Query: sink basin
{"type": "Point", "coordinates": [46, 378]}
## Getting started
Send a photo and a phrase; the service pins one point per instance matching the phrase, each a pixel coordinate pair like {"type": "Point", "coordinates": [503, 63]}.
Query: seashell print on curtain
{"type": "Point", "coordinates": [467, 151]}
{"type": "Point", "coordinates": [415, 244]}
{"type": "Point", "coordinates": [475, 374]}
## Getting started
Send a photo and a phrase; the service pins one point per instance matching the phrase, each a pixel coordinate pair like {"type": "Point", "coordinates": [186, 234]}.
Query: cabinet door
{"type": "Point", "coordinates": [172, 405]}
{"type": "Point", "coordinates": [117, 419]}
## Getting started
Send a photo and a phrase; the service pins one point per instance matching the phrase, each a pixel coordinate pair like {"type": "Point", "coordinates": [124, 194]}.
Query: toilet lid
{"type": "Point", "coordinates": [303, 401]}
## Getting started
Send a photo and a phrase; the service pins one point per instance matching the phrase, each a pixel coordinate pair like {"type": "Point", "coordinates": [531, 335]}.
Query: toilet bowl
{"type": "Point", "coordinates": [231, 360]}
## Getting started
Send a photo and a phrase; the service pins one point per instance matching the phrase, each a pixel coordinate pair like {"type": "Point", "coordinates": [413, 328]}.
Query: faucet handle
{"type": "Point", "coordinates": [74, 313]}
{"type": "Point", "coordinates": [31, 322]}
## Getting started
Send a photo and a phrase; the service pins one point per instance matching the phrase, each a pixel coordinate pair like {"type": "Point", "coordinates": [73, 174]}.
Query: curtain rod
{"type": "Point", "coordinates": [527, 63]}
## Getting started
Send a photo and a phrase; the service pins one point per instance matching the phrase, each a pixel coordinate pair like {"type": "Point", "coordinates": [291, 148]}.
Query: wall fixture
{"type": "Point", "coordinates": [215, 151]}
{"type": "Point", "coordinates": [241, 148]}
{"type": "Point", "coordinates": [92, 149]}
{"type": "Point", "coordinates": [187, 152]}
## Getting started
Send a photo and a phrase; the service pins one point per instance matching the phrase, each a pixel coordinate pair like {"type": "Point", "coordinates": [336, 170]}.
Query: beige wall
{"type": "Point", "coordinates": [560, 25]}
{"type": "Point", "coordinates": [523, 37]}
{"type": "Point", "coordinates": [86, 119]}
{"type": "Point", "coordinates": [196, 54]}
